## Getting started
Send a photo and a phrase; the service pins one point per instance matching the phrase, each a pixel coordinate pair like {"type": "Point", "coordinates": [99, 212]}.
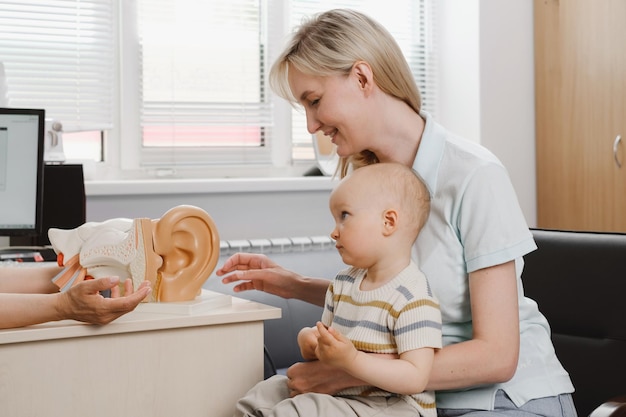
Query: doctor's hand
{"type": "Point", "coordinates": [83, 302]}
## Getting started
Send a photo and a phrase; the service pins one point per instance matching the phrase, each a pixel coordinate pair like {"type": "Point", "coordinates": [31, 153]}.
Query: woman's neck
{"type": "Point", "coordinates": [401, 130]}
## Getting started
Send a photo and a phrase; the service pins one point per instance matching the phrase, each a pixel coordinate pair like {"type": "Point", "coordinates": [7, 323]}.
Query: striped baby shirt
{"type": "Point", "coordinates": [401, 315]}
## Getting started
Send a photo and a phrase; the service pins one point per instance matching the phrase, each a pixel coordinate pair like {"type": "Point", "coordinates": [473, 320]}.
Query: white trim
{"type": "Point", "coordinates": [129, 154]}
{"type": "Point", "coordinates": [206, 186]}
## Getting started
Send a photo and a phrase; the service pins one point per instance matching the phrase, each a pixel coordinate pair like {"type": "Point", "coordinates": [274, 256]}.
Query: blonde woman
{"type": "Point", "coordinates": [355, 86]}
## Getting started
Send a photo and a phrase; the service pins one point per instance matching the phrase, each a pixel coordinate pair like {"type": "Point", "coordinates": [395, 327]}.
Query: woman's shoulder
{"type": "Point", "coordinates": [458, 158]}
{"type": "Point", "coordinates": [453, 144]}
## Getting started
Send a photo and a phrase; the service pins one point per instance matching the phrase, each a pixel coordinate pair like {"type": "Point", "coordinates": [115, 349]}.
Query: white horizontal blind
{"type": "Point", "coordinates": [410, 22]}
{"type": "Point", "coordinates": [203, 74]}
{"type": "Point", "coordinates": [59, 56]}
{"type": "Point", "coordinates": [202, 69]}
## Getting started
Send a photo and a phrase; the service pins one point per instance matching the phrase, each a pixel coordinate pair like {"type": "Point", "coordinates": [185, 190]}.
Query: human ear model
{"type": "Point", "coordinates": [187, 240]}
{"type": "Point", "coordinates": [176, 253]}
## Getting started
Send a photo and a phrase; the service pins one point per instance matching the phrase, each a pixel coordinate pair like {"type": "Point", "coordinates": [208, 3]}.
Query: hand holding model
{"type": "Point", "coordinates": [28, 296]}
{"type": "Point", "coordinates": [84, 302]}
{"type": "Point", "coordinates": [175, 253]}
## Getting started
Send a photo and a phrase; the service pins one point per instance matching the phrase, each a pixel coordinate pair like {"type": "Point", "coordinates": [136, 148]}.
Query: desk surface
{"type": "Point", "coordinates": [236, 310]}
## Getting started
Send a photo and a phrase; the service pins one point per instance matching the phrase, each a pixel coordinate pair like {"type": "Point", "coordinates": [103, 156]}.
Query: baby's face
{"type": "Point", "coordinates": [358, 223]}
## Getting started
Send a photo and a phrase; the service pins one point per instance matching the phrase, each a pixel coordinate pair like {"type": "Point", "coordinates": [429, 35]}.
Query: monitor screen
{"type": "Point", "coordinates": [21, 171]}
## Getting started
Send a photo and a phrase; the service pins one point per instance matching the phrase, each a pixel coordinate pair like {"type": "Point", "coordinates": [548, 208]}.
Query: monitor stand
{"type": "Point", "coordinates": [27, 254]}
{"type": "Point", "coordinates": [64, 203]}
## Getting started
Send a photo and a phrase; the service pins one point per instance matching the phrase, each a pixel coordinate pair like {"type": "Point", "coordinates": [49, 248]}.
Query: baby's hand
{"type": "Point", "coordinates": [334, 348]}
{"type": "Point", "coordinates": [307, 340]}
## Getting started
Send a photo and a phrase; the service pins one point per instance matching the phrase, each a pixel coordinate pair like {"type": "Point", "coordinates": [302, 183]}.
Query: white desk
{"type": "Point", "coordinates": [142, 364]}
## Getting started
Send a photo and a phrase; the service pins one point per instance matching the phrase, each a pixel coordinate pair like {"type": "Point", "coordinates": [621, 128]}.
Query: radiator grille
{"type": "Point", "coordinates": [277, 245]}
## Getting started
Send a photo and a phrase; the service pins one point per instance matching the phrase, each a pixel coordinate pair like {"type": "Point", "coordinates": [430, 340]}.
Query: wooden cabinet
{"type": "Point", "coordinates": [144, 364]}
{"type": "Point", "coordinates": [580, 93]}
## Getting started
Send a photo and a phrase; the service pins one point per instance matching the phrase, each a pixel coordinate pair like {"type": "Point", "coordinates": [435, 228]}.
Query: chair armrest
{"type": "Point", "coordinates": [615, 407]}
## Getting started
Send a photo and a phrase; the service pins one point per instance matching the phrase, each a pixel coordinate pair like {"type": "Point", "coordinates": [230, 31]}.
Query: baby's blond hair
{"type": "Point", "coordinates": [399, 186]}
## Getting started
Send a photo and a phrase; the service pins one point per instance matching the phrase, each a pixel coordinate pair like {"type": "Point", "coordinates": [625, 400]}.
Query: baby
{"type": "Point", "coordinates": [381, 322]}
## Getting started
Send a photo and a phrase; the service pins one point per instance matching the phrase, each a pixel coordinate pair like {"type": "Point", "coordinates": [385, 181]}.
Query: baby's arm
{"type": "Point", "coordinates": [307, 340]}
{"type": "Point", "coordinates": [405, 375]}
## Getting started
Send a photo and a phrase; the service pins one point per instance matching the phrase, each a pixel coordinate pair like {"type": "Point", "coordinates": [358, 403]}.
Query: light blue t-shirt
{"type": "Point", "coordinates": [476, 222]}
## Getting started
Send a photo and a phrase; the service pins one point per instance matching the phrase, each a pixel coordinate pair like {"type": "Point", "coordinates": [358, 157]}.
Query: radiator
{"type": "Point", "coordinates": [277, 245]}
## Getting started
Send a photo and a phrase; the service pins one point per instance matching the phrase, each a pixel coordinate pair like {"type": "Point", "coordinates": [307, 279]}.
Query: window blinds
{"type": "Point", "coordinates": [59, 56]}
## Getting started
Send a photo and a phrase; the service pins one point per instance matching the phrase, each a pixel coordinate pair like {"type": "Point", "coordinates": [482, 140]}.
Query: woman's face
{"type": "Point", "coordinates": [334, 105]}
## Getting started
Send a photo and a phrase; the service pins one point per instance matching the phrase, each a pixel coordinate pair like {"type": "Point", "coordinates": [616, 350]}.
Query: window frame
{"type": "Point", "coordinates": [132, 156]}
{"type": "Point", "coordinates": [123, 151]}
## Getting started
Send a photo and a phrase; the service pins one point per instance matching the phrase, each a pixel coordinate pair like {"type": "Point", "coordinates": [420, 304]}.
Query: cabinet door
{"type": "Point", "coordinates": [580, 83]}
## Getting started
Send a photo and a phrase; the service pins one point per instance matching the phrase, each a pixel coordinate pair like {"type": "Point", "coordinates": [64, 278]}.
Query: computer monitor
{"type": "Point", "coordinates": [21, 171]}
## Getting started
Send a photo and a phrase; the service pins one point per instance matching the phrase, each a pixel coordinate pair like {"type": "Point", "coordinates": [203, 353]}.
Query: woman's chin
{"type": "Point", "coordinates": [342, 152]}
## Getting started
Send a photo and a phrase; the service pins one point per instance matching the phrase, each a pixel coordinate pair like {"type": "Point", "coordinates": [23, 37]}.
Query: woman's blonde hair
{"type": "Point", "coordinates": [330, 43]}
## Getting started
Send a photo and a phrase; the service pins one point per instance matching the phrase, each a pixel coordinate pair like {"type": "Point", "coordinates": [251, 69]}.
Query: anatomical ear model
{"type": "Point", "coordinates": [176, 253]}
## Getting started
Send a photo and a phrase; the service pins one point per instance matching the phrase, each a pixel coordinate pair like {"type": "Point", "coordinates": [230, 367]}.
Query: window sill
{"type": "Point", "coordinates": [206, 186]}
{"type": "Point", "coordinates": [101, 180]}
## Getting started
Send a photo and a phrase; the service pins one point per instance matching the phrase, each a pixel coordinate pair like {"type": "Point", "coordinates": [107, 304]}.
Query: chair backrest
{"type": "Point", "coordinates": [578, 280]}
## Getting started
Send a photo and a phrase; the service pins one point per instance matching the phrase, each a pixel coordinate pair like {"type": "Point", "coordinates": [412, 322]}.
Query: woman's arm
{"type": "Point", "coordinates": [17, 310]}
{"type": "Point", "coordinates": [406, 375]}
{"type": "Point", "coordinates": [258, 272]}
{"type": "Point", "coordinates": [491, 355]}
{"type": "Point", "coordinates": [82, 302]}
{"type": "Point", "coordinates": [29, 280]}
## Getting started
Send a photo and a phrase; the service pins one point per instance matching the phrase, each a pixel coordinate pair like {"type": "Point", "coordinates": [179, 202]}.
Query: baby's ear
{"type": "Point", "coordinates": [390, 219]}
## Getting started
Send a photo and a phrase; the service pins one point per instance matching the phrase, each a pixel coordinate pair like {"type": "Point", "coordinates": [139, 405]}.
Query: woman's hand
{"type": "Point", "coordinates": [253, 271]}
{"type": "Point", "coordinates": [83, 301]}
{"type": "Point", "coordinates": [316, 376]}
